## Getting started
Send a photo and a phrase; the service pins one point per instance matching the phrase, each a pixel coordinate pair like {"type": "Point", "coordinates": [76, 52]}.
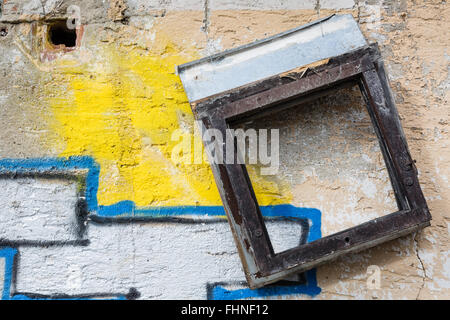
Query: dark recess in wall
{"type": "Point", "coordinates": [60, 34]}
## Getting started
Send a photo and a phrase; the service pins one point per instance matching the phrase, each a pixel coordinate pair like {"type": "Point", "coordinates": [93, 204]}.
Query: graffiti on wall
{"type": "Point", "coordinates": [92, 223]}
{"type": "Point", "coordinates": [113, 216]}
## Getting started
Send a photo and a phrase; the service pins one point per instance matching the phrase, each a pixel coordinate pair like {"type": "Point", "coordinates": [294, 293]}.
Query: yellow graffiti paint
{"type": "Point", "coordinates": [121, 108]}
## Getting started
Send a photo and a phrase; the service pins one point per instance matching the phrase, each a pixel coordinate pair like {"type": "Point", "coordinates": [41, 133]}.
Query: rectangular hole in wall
{"type": "Point", "coordinates": [329, 159]}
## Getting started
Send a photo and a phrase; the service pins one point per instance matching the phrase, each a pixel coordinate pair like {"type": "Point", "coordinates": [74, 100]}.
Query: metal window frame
{"type": "Point", "coordinates": [364, 67]}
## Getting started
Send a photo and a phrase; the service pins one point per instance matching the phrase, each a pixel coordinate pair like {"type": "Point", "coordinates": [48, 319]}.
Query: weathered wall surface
{"type": "Point", "coordinates": [93, 206]}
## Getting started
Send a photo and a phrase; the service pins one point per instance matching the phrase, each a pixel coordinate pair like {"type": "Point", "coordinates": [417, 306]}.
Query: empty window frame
{"type": "Point", "coordinates": [364, 67]}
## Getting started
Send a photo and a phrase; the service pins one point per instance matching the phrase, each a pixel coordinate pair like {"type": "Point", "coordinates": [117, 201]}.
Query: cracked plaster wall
{"type": "Point", "coordinates": [103, 99]}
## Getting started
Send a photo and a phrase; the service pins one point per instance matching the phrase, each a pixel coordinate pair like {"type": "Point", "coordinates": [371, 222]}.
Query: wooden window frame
{"type": "Point", "coordinates": [364, 67]}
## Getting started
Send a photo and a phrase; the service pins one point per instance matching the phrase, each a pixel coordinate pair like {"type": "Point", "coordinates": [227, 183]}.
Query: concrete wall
{"type": "Point", "coordinates": [93, 206]}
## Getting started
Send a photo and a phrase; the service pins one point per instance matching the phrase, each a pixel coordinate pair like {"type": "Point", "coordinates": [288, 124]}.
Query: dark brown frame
{"type": "Point", "coordinates": [363, 67]}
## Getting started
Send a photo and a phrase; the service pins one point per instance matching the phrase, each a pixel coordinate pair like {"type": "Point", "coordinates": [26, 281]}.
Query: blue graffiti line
{"type": "Point", "coordinates": [129, 209]}
{"type": "Point", "coordinates": [22, 297]}
{"type": "Point", "coordinates": [310, 288]}
{"type": "Point", "coordinates": [7, 254]}
{"type": "Point", "coordinates": [44, 165]}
